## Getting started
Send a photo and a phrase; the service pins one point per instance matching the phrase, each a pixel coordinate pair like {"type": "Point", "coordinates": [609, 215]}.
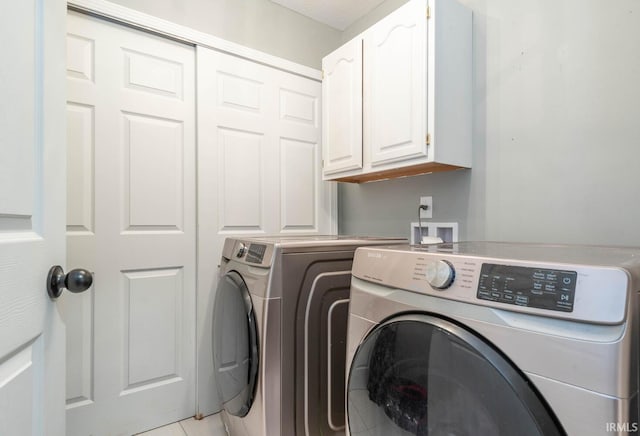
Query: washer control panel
{"type": "Point", "coordinates": [531, 287]}
{"type": "Point", "coordinates": [566, 290]}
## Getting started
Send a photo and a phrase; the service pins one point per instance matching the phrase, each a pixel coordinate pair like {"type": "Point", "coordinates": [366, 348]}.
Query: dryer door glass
{"type": "Point", "coordinates": [422, 375]}
{"type": "Point", "coordinates": [235, 345]}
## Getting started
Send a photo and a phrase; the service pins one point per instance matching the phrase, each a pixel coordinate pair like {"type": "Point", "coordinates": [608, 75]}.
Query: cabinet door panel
{"type": "Point", "coordinates": [342, 108]}
{"type": "Point", "coordinates": [395, 85]}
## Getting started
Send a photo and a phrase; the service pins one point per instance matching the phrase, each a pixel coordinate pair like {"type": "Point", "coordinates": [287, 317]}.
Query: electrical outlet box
{"type": "Point", "coordinates": [426, 201]}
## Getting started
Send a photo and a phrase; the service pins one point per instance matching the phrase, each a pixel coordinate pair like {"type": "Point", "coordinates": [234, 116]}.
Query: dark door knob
{"type": "Point", "coordinates": [76, 281]}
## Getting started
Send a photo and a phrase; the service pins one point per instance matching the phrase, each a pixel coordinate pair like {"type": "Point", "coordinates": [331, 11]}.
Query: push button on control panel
{"type": "Point", "coordinates": [242, 249]}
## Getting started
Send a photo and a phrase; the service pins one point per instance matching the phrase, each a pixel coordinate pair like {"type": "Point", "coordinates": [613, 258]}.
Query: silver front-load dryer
{"type": "Point", "coordinates": [279, 333]}
{"type": "Point", "coordinates": [493, 339]}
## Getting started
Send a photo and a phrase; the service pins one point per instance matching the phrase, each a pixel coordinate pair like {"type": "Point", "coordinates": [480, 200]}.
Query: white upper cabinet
{"type": "Point", "coordinates": [414, 100]}
{"type": "Point", "coordinates": [342, 108]}
{"type": "Point", "coordinates": [395, 86]}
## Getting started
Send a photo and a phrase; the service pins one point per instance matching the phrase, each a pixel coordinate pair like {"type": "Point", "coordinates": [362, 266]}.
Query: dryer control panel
{"type": "Point", "coordinates": [256, 253]}
{"type": "Point", "coordinates": [248, 252]}
{"type": "Point", "coordinates": [532, 287]}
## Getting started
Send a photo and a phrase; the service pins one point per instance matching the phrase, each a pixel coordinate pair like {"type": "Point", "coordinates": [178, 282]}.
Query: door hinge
{"type": "Point", "coordinates": [322, 74]}
{"type": "Point", "coordinates": [322, 163]}
{"type": "Point", "coordinates": [428, 12]}
{"type": "Point", "coordinates": [428, 139]}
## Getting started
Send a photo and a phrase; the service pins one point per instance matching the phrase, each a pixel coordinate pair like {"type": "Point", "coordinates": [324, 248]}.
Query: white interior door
{"type": "Point", "coordinates": [32, 197]}
{"type": "Point", "coordinates": [259, 161]}
{"type": "Point", "coordinates": [131, 220]}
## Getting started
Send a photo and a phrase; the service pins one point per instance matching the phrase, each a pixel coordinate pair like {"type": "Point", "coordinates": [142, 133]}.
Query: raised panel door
{"type": "Point", "coordinates": [395, 83]}
{"type": "Point", "coordinates": [237, 184]}
{"type": "Point", "coordinates": [259, 171]}
{"type": "Point", "coordinates": [131, 220]}
{"type": "Point", "coordinates": [342, 109]}
{"type": "Point", "coordinates": [303, 196]}
{"type": "Point", "coordinates": [32, 209]}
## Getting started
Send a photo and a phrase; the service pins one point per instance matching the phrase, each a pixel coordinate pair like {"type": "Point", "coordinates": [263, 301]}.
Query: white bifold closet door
{"type": "Point", "coordinates": [131, 220]}
{"type": "Point", "coordinates": [259, 171]}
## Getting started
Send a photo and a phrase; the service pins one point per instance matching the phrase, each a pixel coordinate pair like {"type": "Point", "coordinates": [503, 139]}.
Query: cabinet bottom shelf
{"type": "Point", "coordinates": [413, 170]}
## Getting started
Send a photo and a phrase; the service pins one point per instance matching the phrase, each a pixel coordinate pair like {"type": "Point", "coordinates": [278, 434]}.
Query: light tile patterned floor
{"type": "Point", "coordinates": [209, 426]}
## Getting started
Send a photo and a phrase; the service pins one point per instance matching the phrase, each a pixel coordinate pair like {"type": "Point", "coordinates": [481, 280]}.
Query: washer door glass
{"type": "Point", "coordinates": [235, 344]}
{"type": "Point", "coordinates": [422, 375]}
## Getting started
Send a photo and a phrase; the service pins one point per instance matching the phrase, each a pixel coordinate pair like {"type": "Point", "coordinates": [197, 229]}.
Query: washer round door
{"type": "Point", "coordinates": [235, 344]}
{"type": "Point", "coordinates": [423, 375]}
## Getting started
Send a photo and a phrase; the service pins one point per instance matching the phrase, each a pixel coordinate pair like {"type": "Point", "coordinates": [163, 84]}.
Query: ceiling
{"type": "Point", "coordinates": [338, 14]}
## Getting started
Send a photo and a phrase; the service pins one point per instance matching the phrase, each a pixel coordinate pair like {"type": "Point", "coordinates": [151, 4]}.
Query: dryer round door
{"type": "Point", "coordinates": [235, 344]}
{"type": "Point", "coordinates": [423, 375]}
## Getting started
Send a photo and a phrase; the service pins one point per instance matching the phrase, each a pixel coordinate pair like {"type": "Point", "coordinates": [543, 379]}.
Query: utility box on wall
{"type": "Point", "coordinates": [448, 232]}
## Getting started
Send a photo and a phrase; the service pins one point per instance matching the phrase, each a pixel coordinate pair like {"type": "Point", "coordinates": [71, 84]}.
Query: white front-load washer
{"type": "Point", "coordinates": [493, 339]}
{"type": "Point", "coordinates": [279, 333]}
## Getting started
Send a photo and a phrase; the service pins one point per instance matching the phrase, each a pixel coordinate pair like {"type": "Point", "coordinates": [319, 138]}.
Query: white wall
{"type": "Point", "coordinates": [259, 24]}
{"type": "Point", "coordinates": [556, 132]}
{"type": "Point", "coordinates": [381, 11]}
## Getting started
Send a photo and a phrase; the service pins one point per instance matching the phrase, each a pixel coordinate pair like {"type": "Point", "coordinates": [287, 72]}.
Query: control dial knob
{"type": "Point", "coordinates": [440, 274]}
{"type": "Point", "coordinates": [242, 249]}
